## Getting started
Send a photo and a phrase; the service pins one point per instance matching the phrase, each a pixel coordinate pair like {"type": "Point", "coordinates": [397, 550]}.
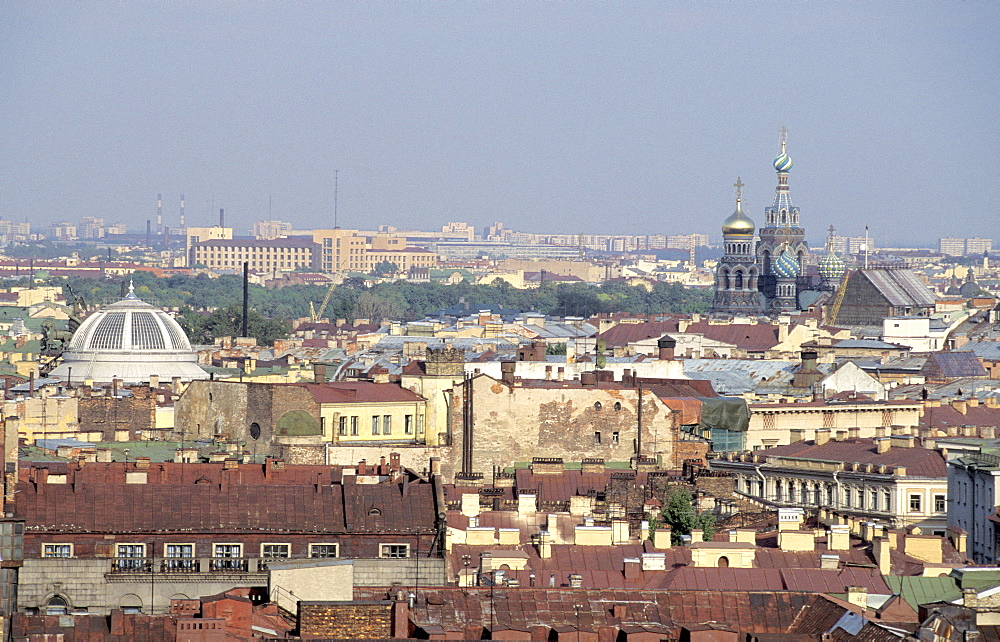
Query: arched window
{"type": "Point", "coordinates": [597, 405]}
{"type": "Point", "coordinates": [57, 605]}
{"type": "Point", "coordinates": [723, 562]}
{"type": "Point", "coordinates": [618, 406]}
{"type": "Point", "coordinates": [739, 279]}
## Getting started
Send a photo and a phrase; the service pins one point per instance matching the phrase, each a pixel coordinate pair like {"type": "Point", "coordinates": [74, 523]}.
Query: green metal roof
{"type": "Point", "coordinates": [978, 579]}
{"type": "Point", "coordinates": [917, 590]}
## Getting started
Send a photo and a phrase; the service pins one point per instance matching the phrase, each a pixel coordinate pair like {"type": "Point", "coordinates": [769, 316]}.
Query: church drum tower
{"type": "Point", "coordinates": [736, 278]}
{"type": "Point", "coordinates": [781, 251]}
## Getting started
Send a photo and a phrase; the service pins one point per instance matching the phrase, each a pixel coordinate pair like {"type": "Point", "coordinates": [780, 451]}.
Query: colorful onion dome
{"type": "Point", "coordinates": [832, 266]}
{"type": "Point", "coordinates": [783, 162]}
{"type": "Point", "coordinates": [738, 223]}
{"type": "Point", "coordinates": [787, 265]}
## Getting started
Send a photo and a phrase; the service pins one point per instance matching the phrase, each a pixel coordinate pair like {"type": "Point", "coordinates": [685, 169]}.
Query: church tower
{"type": "Point", "coordinates": [781, 252]}
{"type": "Point", "coordinates": [736, 287]}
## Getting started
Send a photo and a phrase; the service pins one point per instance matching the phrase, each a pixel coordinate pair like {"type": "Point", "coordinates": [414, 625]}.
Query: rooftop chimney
{"type": "Point", "coordinates": [665, 348]}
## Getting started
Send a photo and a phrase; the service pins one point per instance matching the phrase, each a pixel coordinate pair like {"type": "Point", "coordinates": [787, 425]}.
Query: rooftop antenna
{"type": "Point", "coordinates": [269, 207]}
{"type": "Point", "coordinates": [336, 189]}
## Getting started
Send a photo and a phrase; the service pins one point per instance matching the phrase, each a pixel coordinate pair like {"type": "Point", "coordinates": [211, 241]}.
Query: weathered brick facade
{"type": "Point", "coordinates": [345, 620]}
{"type": "Point", "coordinates": [515, 422]}
{"type": "Point", "coordinates": [109, 414]}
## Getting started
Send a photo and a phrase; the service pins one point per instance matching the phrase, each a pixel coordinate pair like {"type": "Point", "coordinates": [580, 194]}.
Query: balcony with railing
{"type": "Point", "coordinates": [184, 568]}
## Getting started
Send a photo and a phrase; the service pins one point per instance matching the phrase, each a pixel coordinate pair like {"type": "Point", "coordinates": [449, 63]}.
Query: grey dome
{"type": "Point", "coordinates": [129, 340]}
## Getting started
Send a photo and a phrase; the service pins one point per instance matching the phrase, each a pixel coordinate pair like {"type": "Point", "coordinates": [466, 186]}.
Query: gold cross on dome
{"type": "Point", "coordinates": [739, 188]}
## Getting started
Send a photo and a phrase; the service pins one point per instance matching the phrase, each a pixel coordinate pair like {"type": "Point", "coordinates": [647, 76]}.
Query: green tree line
{"type": "Point", "coordinates": [210, 306]}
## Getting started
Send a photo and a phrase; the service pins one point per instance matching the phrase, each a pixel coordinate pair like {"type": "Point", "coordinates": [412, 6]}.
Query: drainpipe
{"type": "Point", "coordinates": [763, 482]}
{"type": "Point", "coordinates": [839, 494]}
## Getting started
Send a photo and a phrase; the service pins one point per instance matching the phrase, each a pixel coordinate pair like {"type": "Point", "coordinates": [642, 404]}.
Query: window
{"type": "Point", "coordinates": [342, 428]}
{"type": "Point", "coordinates": [375, 420]}
{"type": "Point", "coordinates": [324, 550]}
{"type": "Point", "coordinates": [56, 605]}
{"type": "Point", "coordinates": [57, 550]}
{"type": "Point", "coordinates": [227, 557]}
{"type": "Point", "coordinates": [614, 438]}
{"type": "Point", "coordinates": [178, 557]}
{"type": "Point", "coordinates": [275, 551]}
{"type": "Point", "coordinates": [394, 551]}
{"type": "Point", "coordinates": [874, 495]}
{"type": "Point", "coordinates": [847, 497]}
{"type": "Point", "coordinates": [387, 425]}
{"type": "Point", "coordinates": [354, 426]}
{"type": "Point", "coordinates": [408, 424]}
{"type": "Point", "coordinates": [420, 424]}
{"type": "Point", "coordinates": [618, 406]}
{"type": "Point", "coordinates": [939, 504]}
{"type": "Point", "coordinates": [915, 503]}
{"type": "Point", "coordinates": [130, 557]}
{"type": "Point", "coordinates": [597, 439]}
{"type": "Point", "coordinates": [597, 405]}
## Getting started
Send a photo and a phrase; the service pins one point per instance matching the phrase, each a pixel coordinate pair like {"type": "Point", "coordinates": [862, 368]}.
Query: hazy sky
{"type": "Point", "coordinates": [563, 117]}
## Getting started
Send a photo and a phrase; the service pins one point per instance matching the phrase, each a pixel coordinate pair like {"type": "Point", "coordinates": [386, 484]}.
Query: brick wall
{"type": "Point", "coordinates": [345, 620]}
{"type": "Point", "coordinates": [108, 414]}
{"type": "Point", "coordinates": [518, 423]}
{"type": "Point", "coordinates": [684, 449]}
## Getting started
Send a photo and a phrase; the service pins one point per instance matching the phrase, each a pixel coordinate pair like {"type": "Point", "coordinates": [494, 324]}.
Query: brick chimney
{"type": "Point", "coordinates": [507, 371]}
{"type": "Point", "coordinates": [665, 347]}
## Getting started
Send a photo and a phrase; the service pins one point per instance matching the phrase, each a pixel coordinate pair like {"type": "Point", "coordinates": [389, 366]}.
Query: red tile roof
{"type": "Point", "coordinates": [749, 337]}
{"type": "Point", "coordinates": [360, 392]}
{"type": "Point", "coordinates": [945, 415]}
{"type": "Point", "coordinates": [90, 503]}
{"type": "Point", "coordinates": [625, 333]}
{"type": "Point", "coordinates": [919, 462]}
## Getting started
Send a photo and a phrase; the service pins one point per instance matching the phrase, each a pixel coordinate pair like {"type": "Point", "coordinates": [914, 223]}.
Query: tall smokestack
{"type": "Point", "coordinates": [246, 298]}
{"type": "Point", "coordinates": [159, 213]}
{"type": "Point", "coordinates": [222, 217]}
{"type": "Point", "coordinates": [147, 230]}
{"type": "Point", "coordinates": [182, 211]}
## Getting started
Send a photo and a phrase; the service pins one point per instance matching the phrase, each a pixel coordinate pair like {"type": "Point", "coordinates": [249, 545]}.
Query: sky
{"type": "Point", "coordinates": [552, 117]}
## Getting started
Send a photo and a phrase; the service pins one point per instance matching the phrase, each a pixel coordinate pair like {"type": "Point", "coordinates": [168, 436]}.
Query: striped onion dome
{"type": "Point", "coordinates": [787, 265]}
{"type": "Point", "coordinates": [832, 266]}
{"type": "Point", "coordinates": [783, 162]}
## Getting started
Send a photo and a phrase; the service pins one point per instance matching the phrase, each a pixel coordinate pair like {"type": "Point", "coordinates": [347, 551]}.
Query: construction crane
{"type": "Point", "coordinates": [314, 314]}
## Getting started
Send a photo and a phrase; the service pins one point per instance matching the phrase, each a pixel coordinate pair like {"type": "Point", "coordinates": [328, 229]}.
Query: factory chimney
{"type": "Point", "coordinates": [159, 214]}
{"type": "Point", "coordinates": [182, 211]}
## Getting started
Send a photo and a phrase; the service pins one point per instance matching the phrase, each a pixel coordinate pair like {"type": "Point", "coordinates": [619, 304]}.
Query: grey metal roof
{"type": "Point", "coordinates": [982, 349]}
{"type": "Point", "coordinates": [900, 287]}
{"type": "Point", "coordinates": [870, 344]}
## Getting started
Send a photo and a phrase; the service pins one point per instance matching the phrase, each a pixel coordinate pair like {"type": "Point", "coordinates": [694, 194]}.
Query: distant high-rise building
{"type": "Point", "coordinates": [684, 241]}
{"type": "Point", "coordinates": [977, 245]}
{"type": "Point", "coordinates": [266, 230]}
{"type": "Point", "coordinates": [951, 246]}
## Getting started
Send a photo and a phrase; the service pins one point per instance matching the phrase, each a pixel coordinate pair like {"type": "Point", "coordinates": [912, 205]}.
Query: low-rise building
{"type": "Point", "coordinates": [889, 479]}
{"type": "Point", "coordinates": [135, 536]}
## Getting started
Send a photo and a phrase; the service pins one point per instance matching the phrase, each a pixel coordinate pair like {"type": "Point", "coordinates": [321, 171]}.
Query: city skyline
{"type": "Point", "coordinates": [562, 119]}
